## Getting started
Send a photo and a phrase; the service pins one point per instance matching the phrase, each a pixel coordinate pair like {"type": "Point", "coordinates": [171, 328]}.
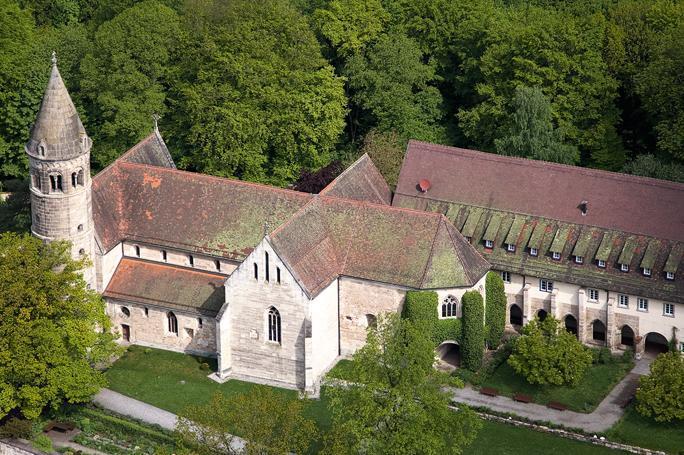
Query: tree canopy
{"type": "Point", "coordinates": [53, 330]}
{"type": "Point", "coordinates": [661, 393]}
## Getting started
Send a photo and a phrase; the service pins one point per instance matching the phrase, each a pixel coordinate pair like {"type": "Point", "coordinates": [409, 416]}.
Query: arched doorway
{"type": "Point", "coordinates": [516, 316]}
{"type": "Point", "coordinates": [449, 354]}
{"type": "Point", "coordinates": [598, 331]}
{"type": "Point", "coordinates": [656, 343]}
{"type": "Point", "coordinates": [571, 324]}
{"type": "Point", "coordinates": [371, 321]}
{"type": "Point", "coordinates": [626, 336]}
{"type": "Point", "coordinates": [542, 314]}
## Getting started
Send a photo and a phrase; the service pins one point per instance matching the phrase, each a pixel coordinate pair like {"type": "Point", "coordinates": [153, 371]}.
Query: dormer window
{"type": "Point", "coordinates": [669, 275]}
{"type": "Point", "coordinates": [647, 271]}
{"type": "Point", "coordinates": [601, 263]}
{"type": "Point", "coordinates": [41, 150]}
{"type": "Point", "coordinates": [489, 244]}
{"type": "Point", "coordinates": [468, 239]}
{"type": "Point", "coordinates": [579, 260]}
{"type": "Point", "coordinates": [534, 252]}
{"type": "Point", "coordinates": [510, 247]}
{"type": "Point", "coordinates": [556, 256]}
{"type": "Point", "coordinates": [624, 267]}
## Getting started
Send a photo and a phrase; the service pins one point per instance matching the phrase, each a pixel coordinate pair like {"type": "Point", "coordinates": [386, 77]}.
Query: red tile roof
{"type": "Point", "coordinates": [171, 287]}
{"type": "Point", "coordinates": [615, 201]}
{"type": "Point", "coordinates": [361, 182]}
{"type": "Point", "coordinates": [331, 237]}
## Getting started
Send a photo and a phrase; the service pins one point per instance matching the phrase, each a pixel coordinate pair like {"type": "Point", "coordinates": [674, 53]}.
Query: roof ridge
{"type": "Point", "coordinates": [294, 215]}
{"type": "Point", "coordinates": [351, 166]}
{"type": "Point", "coordinates": [349, 244]}
{"type": "Point", "coordinates": [215, 177]}
{"type": "Point", "coordinates": [171, 266]}
{"type": "Point", "coordinates": [382, 206]}
{"type": "Point", "coordinates": [429, 258]}
{"type": "Point", "coordinates": [491, 156]}
{"type": "Point", "coordinates": [458, 251]}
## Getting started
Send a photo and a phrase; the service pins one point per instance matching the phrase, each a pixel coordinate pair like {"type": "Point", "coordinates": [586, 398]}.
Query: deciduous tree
{"type": "Point", "coordinates": [546, 353]}
{"type": "Point", "coordinates": [397, 405]}
{"type": "Point", "coordinates": [53, 330]}
{"type": "Point", "coordinates": [661, 394]}
{"type": "Point", "coordinates": [386, 150]}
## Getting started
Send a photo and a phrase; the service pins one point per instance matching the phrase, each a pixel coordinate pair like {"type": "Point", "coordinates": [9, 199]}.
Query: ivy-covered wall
{"type": "Point", "coordinates": [423, 306]}
{"type": "Point", "coordinates": [473, 339]}
{"type": "Point", "coordinates": [495, 310]}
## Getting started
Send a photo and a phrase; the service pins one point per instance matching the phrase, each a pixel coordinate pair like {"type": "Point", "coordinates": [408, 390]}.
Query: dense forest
{"type": "Point", "coordinates": [267, 90]}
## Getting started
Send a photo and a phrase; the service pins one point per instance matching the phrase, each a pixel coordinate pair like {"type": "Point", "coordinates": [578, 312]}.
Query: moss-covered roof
{"type": "Point", "coordinates": [590, 242]}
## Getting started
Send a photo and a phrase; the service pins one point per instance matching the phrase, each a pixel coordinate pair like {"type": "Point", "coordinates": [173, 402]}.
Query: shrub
{"type": "Point", "coordinates": [661, 394]}
{"type": "Point", "coordinates": [628, 355]}
{"type": "Point", "coordinates": [548, 354]}
{"type": "Point", "coordinates": [472, 342]}
{"type": "Point", "coordinates": [204, 366]}
{"type": "Point", "coordinates": [495, 309]}
{"type": "Point", "coordinates": [16, 428]}
{"type": "Point", "coordinates": [43, 443]}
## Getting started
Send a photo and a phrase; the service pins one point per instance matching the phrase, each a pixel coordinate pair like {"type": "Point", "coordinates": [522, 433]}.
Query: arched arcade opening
{"type": "Point", "coordinates": [571, 324]}
{"type": "Point", "coordinates": [655, 343]}
{"type": "Point", "coordinates": [516, 315]}
{"type": "Point", "coordinates": [449, 353]}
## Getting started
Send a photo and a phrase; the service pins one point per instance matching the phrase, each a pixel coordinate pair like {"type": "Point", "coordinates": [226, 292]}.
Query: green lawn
{"type": "Point", "coordinates": [171, 381]}
{"type": "Point", "coordinates": [596, 384]}
{"type": "Point", "coordinates": [635, 429]}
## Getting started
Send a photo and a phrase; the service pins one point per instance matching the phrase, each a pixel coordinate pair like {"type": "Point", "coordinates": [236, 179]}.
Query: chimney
{"type": "Point", "coordinates": [424, 185]}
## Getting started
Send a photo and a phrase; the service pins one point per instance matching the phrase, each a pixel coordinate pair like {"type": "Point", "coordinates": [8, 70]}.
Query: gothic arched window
{"type": "Point", "coordinates": [172, 323]}
{"type": "Point", "coordinates": [449, 307]}
{"type": "Point", "coordinates": [273, 325]}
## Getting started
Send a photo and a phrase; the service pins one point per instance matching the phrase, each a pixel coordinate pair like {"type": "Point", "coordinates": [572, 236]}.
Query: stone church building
{"type": "Point", "coordinates": [279, 284]}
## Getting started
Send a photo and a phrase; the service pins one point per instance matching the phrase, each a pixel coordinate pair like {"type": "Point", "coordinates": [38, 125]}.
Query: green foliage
{"type": "Point", "coordinates": [547, 354]}
{"type": "Point", "coordinates": [387, 152]}
{"type": "Point", "coordinates": [269, 423]}
{"type": "Point", "coordinates": [661, 394]}
{"type": "Point", "coordinates": [421, 307]}
{"type": "Point", "coordinates": [43, 443]}
{"type": "Point", "coordinates": [125, 77]}
{"type": "Point", "coordinates": [256, 98]}
{"type": "Point", "coordinates": [397, 405]}
{"type": "Point", "coordinates": [15, 211]}
{"type": "Point", "coordinates": [531, 133]}
{"type": "Point", "coordinates": [53, 330]}
{"type": "Point", "coordinates": [473, 340]}
{"type": "Point", "coordinates": [394, 86]}
{"type": "Point", "coordinates": [495, 309]}
{"type": "Point", "coordinates": [650, 166]}
{"type": "Point", "coordinates": [14, 428]}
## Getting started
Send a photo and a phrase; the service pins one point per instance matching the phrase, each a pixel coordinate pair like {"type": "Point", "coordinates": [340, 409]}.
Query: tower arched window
{"type": "Point", "coordinates": [56, 182]}
{"type": "Point", "coordinates": [274, 325]}
{"type": "Point", "coordinates": [80, 178]}
{"type": "Point", "coordinates": [172, 323]}
{"type": "Point", "coordinates": [74, 179]}
{"type": "Point", "coordinates": [41, 150]}
{"type": "Point", "coordinates": [449, 307]}
{"type": "Point", "coordinates": [36, 182]}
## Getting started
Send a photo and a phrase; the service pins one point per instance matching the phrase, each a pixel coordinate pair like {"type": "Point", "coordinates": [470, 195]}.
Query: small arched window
{"type": "Point", "coordinates": [41, 150]}
{"type": "Point", "coordinates": [73, 179]}
{"type": "Point", "coordinates": [79, 228]}
{"type": "Point", "coordinates": [164, 255]}
{"type": "Point", "coordinates": [273, 325]}
{"type": "Point", "coordinates": [267, 266]}
{"type": "Point", "coordinates": [36, 181]}
{"type": "Point", "coordinates": [371, 321]}
{"type": "Point", "coordinates": [449, 307]}
{"type": "Point", "coordinates": [256, 271]}
{"type": "Point", "coordinates": [81, 177]}
{"type": "Point", "coordinates": [172, 323]}
{"type": "Point", "coordinates": [81, 252]}
{"type": "Point", "coordinates": [125, 311]}
{"type": "Point", "coordinates": [56, 182]}
{"type": "Point", "coordinates": [217, 263]}
{"type": "Point", "coordinates": [137, 251]}
{"type": "Point", "coordinates": [191, 259]}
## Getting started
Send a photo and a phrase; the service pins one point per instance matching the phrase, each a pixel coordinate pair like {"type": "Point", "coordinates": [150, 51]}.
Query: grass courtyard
{"type": "Point", "coordinates": [172, 381]}
{"type": "Point", "coordinates": [598, 381]}
{"type": "Point", "coordinates": [636, 429]}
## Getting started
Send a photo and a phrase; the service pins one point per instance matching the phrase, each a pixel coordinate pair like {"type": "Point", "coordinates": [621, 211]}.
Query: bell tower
{"type": "Point", "coordinates": [59, 163]}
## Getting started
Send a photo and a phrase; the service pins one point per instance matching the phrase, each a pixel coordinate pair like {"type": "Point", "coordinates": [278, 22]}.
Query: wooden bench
{"type": "Point", "coordinates": [62, 427]}
{"type": "Point", "coordinates": [489, 391]}
{"type": "Point", "coordinates": [557, 406]}
{"type": "Point", "coordinates": [521, 397]}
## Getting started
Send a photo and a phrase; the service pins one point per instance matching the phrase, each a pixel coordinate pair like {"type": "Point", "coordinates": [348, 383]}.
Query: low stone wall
{"type": "Point", "coordinates": [17, 448]}
{"type": "Point", "coordinates": [571, 435]}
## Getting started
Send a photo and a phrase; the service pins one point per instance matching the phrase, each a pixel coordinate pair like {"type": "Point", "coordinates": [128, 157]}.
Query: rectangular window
{"type": "Point", "coordinates": [642, 304]}
{"type": "Point", "coordinates": [256, 271]}
{"type": "Point", "coordinates": [545, 285]}
{"type": "Point", "coordinates": [217, 263]}
{"type": "Point", "coordinates": [579, 260]}
{"type": "Point", "coordinates": [200, 322]}
{"type": "Point", "coordinates": [510, 247]}
{"type": "Point", "coordinates": [624, 267]}
{"type": "Point", "coordinates": [647, 272]}
{"type": "Point", "coordinates": [506, 277]}
{"type": "Point", "coordinates": [669, 275]}
{"type": "Point", "coordinates": [489, 244]}
{"type": "Point", "coordinates": [534, 252]}
{"type": "Point", "coordinates": [681, 346]}
{"type": "Point", "coordinates": [593, 294]}
{"type": "Point", "coordinates": [191, 260]}
{"type": "Point", "coordinates": [668, 309]}
{"type": "Point", "coordinates": [556, 255]}
{"type": "Point", "coordinates": [137, 251]}
{"type": "Point", "coordinates": [267, 266]}
{"type": "Point", "coordinates": [601, 263]}
{"type": "Point", "coordinates": [164, 255]}
{"type": "Point", "coordinates": [147, 312]}
{"type": "Point", "coordinates": [278, 274]}
{"type": "Point", "coordinates": [623, 301]}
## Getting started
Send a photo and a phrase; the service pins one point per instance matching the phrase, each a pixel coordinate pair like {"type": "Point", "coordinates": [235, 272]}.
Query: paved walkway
{"type": "Point", "coordinates": [604, 416]}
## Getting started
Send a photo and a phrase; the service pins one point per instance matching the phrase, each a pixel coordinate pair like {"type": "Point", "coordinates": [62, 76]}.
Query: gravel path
{"type": "Point", "coordinates": [121, 404]}
{"type": "Point", "coordinates": [604, 416]}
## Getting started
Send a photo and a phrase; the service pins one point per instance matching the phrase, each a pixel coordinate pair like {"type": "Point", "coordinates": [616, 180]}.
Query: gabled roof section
{"type": "Point", "coordinates": [330, 237]}
{"type": "Point", "coordinates": [628, 203]}
{"type": "Point", "coordinates": [361, 182]}
{"type": "Point", "coordinates": [58, 128]}
{"type": "Point", "coordinates": [185, 210]}
{"type": "Point", "coordinates": [165, 285]}
{"type": "Point", "coordinates": [151, 150]}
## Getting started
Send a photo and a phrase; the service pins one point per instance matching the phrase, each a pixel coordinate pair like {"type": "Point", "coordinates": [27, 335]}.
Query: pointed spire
{"type": "Point", "coordinates": [58, 133]}
{"type": "Point", "coordinates": [156, 118]}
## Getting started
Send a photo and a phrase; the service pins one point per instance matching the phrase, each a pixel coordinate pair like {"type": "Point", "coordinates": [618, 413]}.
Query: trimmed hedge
{"type": "Point", "coordinates": [473, 340]}
{"type": "Point", "coordinates": [423, 306]}
{"type": "Point", "coordinates": [495, 310]}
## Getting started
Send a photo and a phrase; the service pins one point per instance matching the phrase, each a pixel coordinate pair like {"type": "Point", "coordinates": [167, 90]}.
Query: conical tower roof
{"type": "Point", "coordinates": [58, 133]}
